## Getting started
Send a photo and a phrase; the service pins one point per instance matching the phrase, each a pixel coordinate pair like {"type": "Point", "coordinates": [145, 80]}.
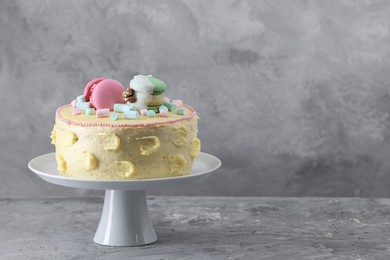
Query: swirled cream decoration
{"type": "Point", "coordinates": [148, 144]}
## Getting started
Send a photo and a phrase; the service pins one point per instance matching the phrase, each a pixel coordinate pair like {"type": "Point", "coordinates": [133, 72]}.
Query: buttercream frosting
{"type": "Point", "coordinates": [151, 145]}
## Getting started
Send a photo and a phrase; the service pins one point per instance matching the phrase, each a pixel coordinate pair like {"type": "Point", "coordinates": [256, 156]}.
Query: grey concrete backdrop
{"type": "Point", "coordinates": [293, 96]}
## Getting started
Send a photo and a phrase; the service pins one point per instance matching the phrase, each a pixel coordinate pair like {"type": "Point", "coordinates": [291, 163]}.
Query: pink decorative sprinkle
{"type": "Point", "coordinates": [166, 99]}
{"type": "Point", "coordinates": [164, 113]}
{"type": "Point", "coordinates": [76, 111]}
{"type": "Point", "coordinates": [103, 112]}
{"type": "Point", "coordinates": [143, 112]}
{"type": "Point", "coordinates": [178, 102]}
{"type": "Point", "coordinates": [74, 103]}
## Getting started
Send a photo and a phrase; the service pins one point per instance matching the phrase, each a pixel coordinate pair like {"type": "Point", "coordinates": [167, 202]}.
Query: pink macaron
{"type": "Point", "coordinates": [104, 93]}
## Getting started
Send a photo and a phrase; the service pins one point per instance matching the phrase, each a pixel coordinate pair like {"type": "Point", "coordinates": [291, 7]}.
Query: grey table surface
{"type": "Point", "coordinates": [203, 228]}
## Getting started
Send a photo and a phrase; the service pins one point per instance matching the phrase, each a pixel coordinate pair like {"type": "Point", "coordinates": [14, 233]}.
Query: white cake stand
{"type": "Point", "coordinates": [125, 220]}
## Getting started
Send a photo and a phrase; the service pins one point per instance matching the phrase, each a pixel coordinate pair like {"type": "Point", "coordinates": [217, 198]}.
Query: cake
{"type": "Point", "coordinates": [115, 133]}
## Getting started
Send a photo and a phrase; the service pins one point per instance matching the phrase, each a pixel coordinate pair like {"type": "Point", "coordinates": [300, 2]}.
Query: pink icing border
{"type": "Point", "coordinates": [71, 122]}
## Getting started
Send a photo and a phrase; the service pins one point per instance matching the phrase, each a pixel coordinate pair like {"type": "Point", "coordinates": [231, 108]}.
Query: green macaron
{"type": "Point", "coordinates": [159, 86]}
{"type": "Point", "coordinates": [154, 108]}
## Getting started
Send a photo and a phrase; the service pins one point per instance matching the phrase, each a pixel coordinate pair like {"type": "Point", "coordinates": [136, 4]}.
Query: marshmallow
{"type": "Point", "coordinates": [103, 112]}
{"type": "Point", "coordinates": [114, 116]}
{"type": "Point", "coordinates": [180, 111]}
{"type": "Point", "coordinates": [129, 108]}
{"type": "Point", "coordinates": [170, 106]}
{"type": "Point", "coordinates": [143, 112]}
{"type": "Point", "coordinates": [163, 108]}
{"type": "Point", "coordinates": [83, 105]}
{"type": "Point", "coordinates": [131, 114]}
{"type": "Point", "coordinates": [74, 103]}
{"type": "Point", "coordinates": [81, 98]}
{"type": "Point", "coordinates": [164, 113]}
{"type": "Point", "coordinates": [76, 111]}
{"type": "Point", "coordinates": [151, 113]}
{"type": "Point", "coordinates": [89, 111]}
{"type": "Point", "coordinates": [119, 107]}
{"type": "Point", "coordinates": [178, 102]}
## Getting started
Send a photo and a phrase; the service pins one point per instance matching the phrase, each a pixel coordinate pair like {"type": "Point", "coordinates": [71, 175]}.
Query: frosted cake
{"type": "Point", "coordinates": [116, 133]}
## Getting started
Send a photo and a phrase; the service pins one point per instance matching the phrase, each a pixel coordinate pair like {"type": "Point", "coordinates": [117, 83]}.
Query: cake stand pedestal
{"type": "Point", "coordinates": [125, 220]}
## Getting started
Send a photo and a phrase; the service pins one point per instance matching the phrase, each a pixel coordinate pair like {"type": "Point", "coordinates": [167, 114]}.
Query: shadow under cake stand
{"type": "Point", "coordinates": [125, 220]}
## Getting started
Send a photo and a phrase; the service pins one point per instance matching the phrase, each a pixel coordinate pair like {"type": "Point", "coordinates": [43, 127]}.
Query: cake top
{"type": "Point", "coordinates": [106, 102]}
{"type": "Point", "coordinates": [65, 114]}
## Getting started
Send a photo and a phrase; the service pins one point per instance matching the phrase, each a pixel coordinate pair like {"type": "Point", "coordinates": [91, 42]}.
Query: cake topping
{"type": "Point", "coordinates": [90, 111]}
{"type": "Point", "coordinates": [151, 113]}
{"type": "Point", "coordinates": [132, 114]}
{"type": "Point", "coordinates": [171, 106]}
{"type": "Point", "coordinates": [103, 112]}
{"type": "Point", "coordinates": [143, 112]}
{"type": "Point", "coordinates": [163, 108]}
{"type": "Point", "coordinates": [180, 111]}
{"type": "Point", "coordinates": [83, 105]}
{"type": "Point", "coordinates": [159, 85]}
{"type": "Point", "coordinates": [104, 93]}
{"type": "Point", "coordinates": [164, 113]}
{"type": "Point", "coordinates": [144, 89]}
{"type": "Point", "coordinates": [119, 107]}
{"type": "Point", "coordinates": [76, 111]}
{"type": "Point", "coordinates": [177, 102]}
{"type": "Point", "coordinates": [143, 98]}
{"type": "Point", "coordinates": [129, 95]}
{"type": "Point", "coordinates": [81, 98]}
{"type": "Point", "coordinates": [151, 119]}
{"type": "Point", "coordinates": [114, 116]}
{"type": "Point", "coordinates": [90, 86]}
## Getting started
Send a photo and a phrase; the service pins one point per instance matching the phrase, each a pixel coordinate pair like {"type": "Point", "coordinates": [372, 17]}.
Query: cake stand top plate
{"type": "Point", "coordinates": [45, 167]}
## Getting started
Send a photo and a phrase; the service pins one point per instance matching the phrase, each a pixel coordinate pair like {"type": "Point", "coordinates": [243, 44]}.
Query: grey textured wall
{"type": "Point", "coordinates": [293, 96]}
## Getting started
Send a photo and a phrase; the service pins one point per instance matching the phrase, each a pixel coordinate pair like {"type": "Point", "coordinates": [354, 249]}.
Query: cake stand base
{"type": "Point", "coordinates": [125, 220]}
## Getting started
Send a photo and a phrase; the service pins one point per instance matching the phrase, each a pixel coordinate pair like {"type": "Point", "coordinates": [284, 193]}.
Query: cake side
{"type": "Point", "coordinates": [102, 152]}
